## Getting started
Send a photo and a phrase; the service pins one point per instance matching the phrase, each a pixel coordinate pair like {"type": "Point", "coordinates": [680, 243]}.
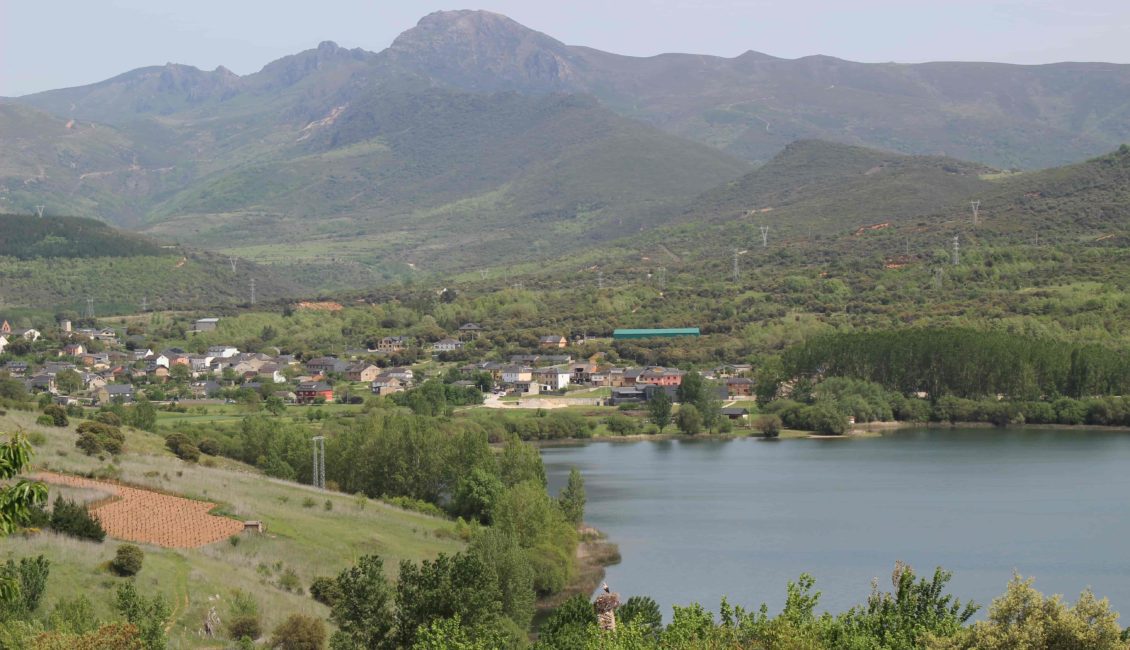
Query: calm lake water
{"type": "Point", "coordinates": [701, 519]}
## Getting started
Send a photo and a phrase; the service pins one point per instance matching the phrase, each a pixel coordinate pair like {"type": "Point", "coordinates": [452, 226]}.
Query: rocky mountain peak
{"type": "Point", "coordinates": [485, 51]}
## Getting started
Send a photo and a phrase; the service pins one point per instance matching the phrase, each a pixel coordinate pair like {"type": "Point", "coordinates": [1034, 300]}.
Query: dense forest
{"type": "Point", "coordinates": [24, 238]}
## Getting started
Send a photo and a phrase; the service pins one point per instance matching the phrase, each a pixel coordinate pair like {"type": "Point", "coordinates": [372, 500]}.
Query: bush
{"type": "Point", "coordinates": [299, 632]}
{"type": "Point", "coordinates": [58, 415]}
{"type": "Point", "coordinates": [324, 589]}
{"type": "Point", "coordinates": [245, 626]}
{"type": "Point", "coordinates": [289, 581]}
{"type": "Point", "coordinates": [72, 519]}
{"type": "Point", "coordinates": [183, 447]}
{"type": "Point", "coordinates": [96, 437]}
{"type": "Point", "coordinates": [244, 618]}
{"type": "Point", "coordinates": [309, 502]}
{"type": "Point", "coordinates": [108, 417]}
{"type": "Point", "coordinates": [769, 425]}
{"type": "Point", "coordinates": [209, 446]}
{"type": "Point", "coordinates": [45, 421]}
{"type": "Point", "coordinates": [127, 561]}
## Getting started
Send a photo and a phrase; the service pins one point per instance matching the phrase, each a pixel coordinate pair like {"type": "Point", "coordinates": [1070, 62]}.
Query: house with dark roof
{"type": "Point", "coordinates": [310, 391]}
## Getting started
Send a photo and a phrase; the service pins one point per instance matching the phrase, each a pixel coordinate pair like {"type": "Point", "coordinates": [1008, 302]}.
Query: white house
{"type": "Point", "coordinates": [27, 335]}
{"type": "Point", "coordinates": [222, 351]}
{"type": "Point", "coordinates": [3, 343]}
{"type": "Point", "coordinates": [447, 345]}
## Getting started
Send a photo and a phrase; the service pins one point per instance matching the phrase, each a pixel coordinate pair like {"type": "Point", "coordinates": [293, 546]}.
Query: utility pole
{"type": "Point", "coordinates": [976, 205]}
{"type": "Point", "coordinates": [600, 279]}
{"type": "Point", "coordinates": [736, 272]}
{"type": "Point", "coordinates": [89, 313]}
{"type": "Point", "coordinates": [662, 278]}
{"type": "Point", "coordinates": [956, 251]}
{"type": "Point", "coordinates": [764, 236]}
{"type": "Point", "coordinates": [253, 291]}
{"type": "Point", "coordinates": [319, 468]}
{"type": "Point", "coordinates": [908, 245]}
{"type": "Point", "coordinates": [144, 304]}
{"type": "Point", "coordinates": [231, 260]}
{"type": "Point", "coordinates": [39, 210]}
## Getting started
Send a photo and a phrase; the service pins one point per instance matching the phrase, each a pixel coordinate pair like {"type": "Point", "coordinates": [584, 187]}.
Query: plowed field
{"type": "Point", "coordinates": [150, 517]}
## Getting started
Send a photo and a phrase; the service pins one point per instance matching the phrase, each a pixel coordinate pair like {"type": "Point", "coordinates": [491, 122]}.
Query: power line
{"type": "Point", "coordinates": [976, 205]}
{"type": "Point", "coordinates": [764, 236]}
{"type": "Point", "coordinates": [253, 291]}
{"type": "Point", "coordinates": [89, 313]}
{"type": "Point", "coordinates": [39, 210]}
{"type": "Point", "coordinates": [956, 251]}
{"type": "Point", "coordinates": [737, 273]}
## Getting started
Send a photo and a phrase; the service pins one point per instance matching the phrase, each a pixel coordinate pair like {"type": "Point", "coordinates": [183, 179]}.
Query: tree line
{"type": "Point", "coordinates": [960, 362]}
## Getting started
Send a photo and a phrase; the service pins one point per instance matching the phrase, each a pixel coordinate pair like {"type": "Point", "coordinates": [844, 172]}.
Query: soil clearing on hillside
{"type": "Point", "coordinates": [139, 515]}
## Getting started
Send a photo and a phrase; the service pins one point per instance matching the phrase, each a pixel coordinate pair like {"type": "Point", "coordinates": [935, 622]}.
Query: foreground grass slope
{"type": "Point", "coordinates": [310, 541]}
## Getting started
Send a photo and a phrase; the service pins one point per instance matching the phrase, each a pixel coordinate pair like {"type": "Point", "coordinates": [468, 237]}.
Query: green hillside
{"type": "Point", "coordinates": [55, 263]}
{"type": "Point", "coordinates": [310, 541]}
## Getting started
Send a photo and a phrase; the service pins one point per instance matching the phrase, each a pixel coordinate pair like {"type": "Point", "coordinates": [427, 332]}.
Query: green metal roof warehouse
{"type": "Point", "coordinates": [666, 332]}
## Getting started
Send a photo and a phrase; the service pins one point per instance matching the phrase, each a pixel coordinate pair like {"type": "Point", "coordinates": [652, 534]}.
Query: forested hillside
{"type": "Point", "coordinates": [24, 237]}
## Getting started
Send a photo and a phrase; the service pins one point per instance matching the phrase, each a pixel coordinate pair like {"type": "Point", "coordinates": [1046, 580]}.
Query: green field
{"type": "Point", "coordinates": [311, 541]}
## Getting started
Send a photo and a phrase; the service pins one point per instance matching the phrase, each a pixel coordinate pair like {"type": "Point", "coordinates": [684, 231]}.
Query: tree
{"type": "Point", "coordinates": [29, 577]}
{"type": "Point", "coordinates": [142, 415]}
{"type": "Point", "coordinates": [13, 390]}
{"type": "Point", "coordinates": [512, 570]}
{"type": "Point", "coordinates": [451, 586]}
{"type": "Point", "coordinates": [572, 499]}
{"type": "Point", "coordinates": [127, 561]}
{"type": "Point", "coordinates": [68, 382]}
{"type": "Point", "coordinates": [691, 388]}
{"type": "Point", "coordinates": [72, 519]}
{"type": "Point", "coordinates": [659, 409]}
{"type": "Point", "coordinates": [275, 405]}
{"type": "Point", "coordinates": [57, 415]}
{"type": "Point", "coordinates": [641, 611]}
{"type": "Point", "coordinates": [452, 634]}
{"type": "Point", "coordinates": [299, 632]}
{"type": "Point", "coordinates": [244, 620]}
{"type": "Point", "coordinates": [769, 425]}
{"type": "Point", "coordinates": [1024, 618]}
{"type": "Point", "coordinates": [17, 500]}
{"type": "Point", "coordinates": [364, 612]}
{"type": "Point", "coordinates": [688, 419]}
{"type": "Point", "coordinates": [148, 614]}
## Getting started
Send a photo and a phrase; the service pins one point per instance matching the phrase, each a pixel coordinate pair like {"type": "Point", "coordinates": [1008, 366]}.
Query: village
{"type": "Point", "coordinates": [99, 366]}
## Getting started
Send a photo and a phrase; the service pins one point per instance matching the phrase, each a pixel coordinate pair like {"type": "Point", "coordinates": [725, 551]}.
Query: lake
{"type": "Point", "coordinates": [697, 520]}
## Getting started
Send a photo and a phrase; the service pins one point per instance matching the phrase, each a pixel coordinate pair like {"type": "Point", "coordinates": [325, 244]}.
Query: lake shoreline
{"type": "Point", "coordinates": [864, 430]}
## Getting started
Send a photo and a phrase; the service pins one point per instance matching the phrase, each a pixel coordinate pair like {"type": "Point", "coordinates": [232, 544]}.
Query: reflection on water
{"type": "Point", "coordinates": [696, 520]}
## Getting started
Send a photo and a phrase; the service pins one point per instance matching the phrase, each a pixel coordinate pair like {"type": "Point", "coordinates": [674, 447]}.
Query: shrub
{"type": "Point", "coordinates": [328, 505]}
{"type": "Point", "coordinates": [309, 502]}
{"type": "Point", "coordinates": [127, 561]}
{"type": "Point", "coordinates": [289, 581]}
{"type": "Point", "coordinates": [183, 447]}
{"type": "Point", "coordinates": [325, 590]}
{"type": "Point", "coordinates": [108, 417]}
{"type": "Point", "coordinates": [45, 421]}
{"type": "Point", "coordinates": [58, 415]}
{"type": "Point", "coordinates": [244, 618]}
{"type": "Point", "coordinates": [209, 446]}
{"type": "Point", "coordinates": [72, 519]}
{"type": "Point", "coordinates": [769, 425]}
{"type": "Point", "coordinates": [96, 437]}
{"type": "Point", "coordinates": [245, 627]}
{"type": "Point", "coordinates": [299, 632]}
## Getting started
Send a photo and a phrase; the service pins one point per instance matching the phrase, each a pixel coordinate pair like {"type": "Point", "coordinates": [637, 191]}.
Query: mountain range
{"type": "Point", "coordinates": [473, 141]}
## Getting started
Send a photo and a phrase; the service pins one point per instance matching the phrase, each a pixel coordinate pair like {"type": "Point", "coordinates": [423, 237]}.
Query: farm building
{"type": "Point", "coordinates": [664, 332]}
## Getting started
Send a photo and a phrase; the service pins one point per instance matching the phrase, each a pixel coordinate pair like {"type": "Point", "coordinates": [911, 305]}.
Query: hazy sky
{"type": "Point", "coordinates": [48, 44]}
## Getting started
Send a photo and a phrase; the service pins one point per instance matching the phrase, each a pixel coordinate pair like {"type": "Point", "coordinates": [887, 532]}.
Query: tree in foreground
{"type": "Point", "coordinates": [127, 561]}
{"type": "Point", "coordinates": [1024, 618]}
{"type": "Point", "coordinates": [364, 611]}
{"type": "Point", "coordinates": [148, 614]}
{"type": "Point", "coordinates": [18, 499]}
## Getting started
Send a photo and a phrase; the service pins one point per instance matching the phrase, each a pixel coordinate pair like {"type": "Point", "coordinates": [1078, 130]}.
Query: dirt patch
{"type": "Point", "coordinates": [150, 517]}
{"type": "Point", "coordinates": [320, 306]}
